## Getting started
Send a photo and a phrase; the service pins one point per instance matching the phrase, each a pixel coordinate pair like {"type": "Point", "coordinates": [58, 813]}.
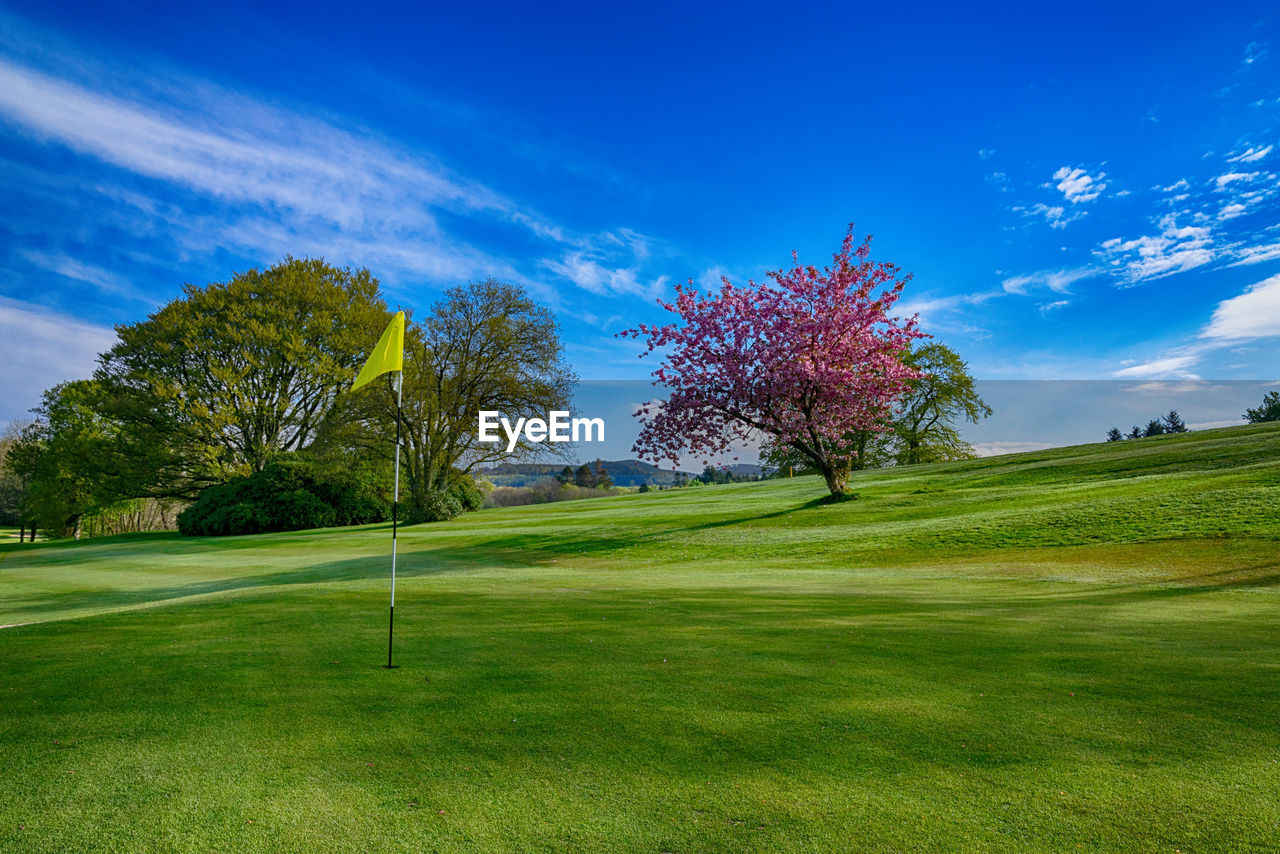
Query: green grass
{"type": "Point", "coordinates": [1067, 650]}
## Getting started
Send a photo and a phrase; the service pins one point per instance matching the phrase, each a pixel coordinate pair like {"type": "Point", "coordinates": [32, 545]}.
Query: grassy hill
{"type": "Point", "coordinates": [1075, 649]}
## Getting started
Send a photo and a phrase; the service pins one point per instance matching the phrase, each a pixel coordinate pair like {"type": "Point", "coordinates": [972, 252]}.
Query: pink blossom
{"type": "Point", "coordinates": [807, 359]}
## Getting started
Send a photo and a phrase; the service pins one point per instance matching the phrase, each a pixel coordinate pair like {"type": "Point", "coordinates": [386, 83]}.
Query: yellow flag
{"type": "Point", "coordinates": [387, 355]}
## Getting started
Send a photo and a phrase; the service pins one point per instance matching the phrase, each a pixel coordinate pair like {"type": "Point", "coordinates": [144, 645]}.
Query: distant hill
{"type": "Point", "coordinates": [623, 473]}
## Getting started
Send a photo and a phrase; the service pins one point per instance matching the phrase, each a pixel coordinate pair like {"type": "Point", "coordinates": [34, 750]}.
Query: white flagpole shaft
{"type": "Point", "coordinates": [396, 494]}
{"type": "Point", "coordinates": [395, 512]}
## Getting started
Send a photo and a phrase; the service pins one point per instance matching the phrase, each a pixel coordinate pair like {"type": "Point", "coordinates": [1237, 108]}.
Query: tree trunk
{"type": "Point", "coordinates": [837, 477]}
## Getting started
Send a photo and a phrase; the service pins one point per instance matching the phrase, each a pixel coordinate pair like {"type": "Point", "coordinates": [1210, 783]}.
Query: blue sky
{"type": "Point", "coordinates": [1082, 192]}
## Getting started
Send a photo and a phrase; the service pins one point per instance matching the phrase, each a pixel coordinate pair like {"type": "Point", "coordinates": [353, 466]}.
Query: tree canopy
{"type": "Point", "coordinates": [942, 395]}
{"type": "Point", "coordinates": [1268, 410]}
{"type": "Point", "coordinates": [808, 360]}
{"type": "Point", "coordinates": [483, 346]}
{"type": "Point", "coordinates": [220, 381]}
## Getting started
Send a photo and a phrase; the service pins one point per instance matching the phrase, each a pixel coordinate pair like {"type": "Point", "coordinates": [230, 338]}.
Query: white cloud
{"type": "Point", "coordinates": [286, 180]}
{"type": "Point", "coordinates": [1231, 211]}
{"type": "Point", "coordinates": [986, 153]}
{"type": "Point", "coordinates": [1050, 306]}
{"type": "Point", "coordinates": [1055, 215]}
{"type": "Point", "coordinates": [1078, 186]}
{"type": "Point", "coordinates": [1251, 315]}
{"type": "Point", "coordinates": [1235, 177]}
{"type": "Point", "coordinates": [70, 268]}
{"type": "Point", "coordinates": [1257, 254]}
{"type": "Point", "coordinates": [1175, 365]}
{"type": "Point", "coordinates": [1058, 281]}
{"type": "Point", "coordinates": [1252, 155]}
{"type": "Point", "coordinates": [932, 305]}
{"type": "Point", "coordinates": [589, 274]}
{"type": "Point", "coordinates": [40, 348]}
{"type": "Point", "coordinates": [1174, 250]}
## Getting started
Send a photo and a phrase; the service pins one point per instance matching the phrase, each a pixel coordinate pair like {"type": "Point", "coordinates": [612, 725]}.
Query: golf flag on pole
{"type": "Point", "coordinates": [387, 355]}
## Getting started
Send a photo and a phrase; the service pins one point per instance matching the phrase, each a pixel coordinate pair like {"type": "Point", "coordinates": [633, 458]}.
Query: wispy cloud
{"type": "Point", "coordinates": [1055, 215]}
{"type": "Point", "coordinates": [1173, 365]}
{"type": "Point", "coordinates": [1174, 249]}
{"type": "Point", "coordinates": [1058, 281]}
{"type": "Point", "coordinates": [40, 348]}
{"type": "Point", "coordinates": [1257, 254]}
{"type": "Point", "coordinates": [1235, 177]}
{"type": "Point", "coordinates": [1251, 155]}
{"type": "Point", "coordinates": [285, 179]}
{"type": "Point", "coordinates": [1251, 316]}
{"type": "Point", "coordinates": [71, 268]}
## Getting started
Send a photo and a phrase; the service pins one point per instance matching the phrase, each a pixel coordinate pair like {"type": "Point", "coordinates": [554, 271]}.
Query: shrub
{"type": "Point", "coordinates": [436, 506]}
{"type": "Point", "coordinates": [464, 490]}
{"type": "Point", "coordinates": [286, 495]}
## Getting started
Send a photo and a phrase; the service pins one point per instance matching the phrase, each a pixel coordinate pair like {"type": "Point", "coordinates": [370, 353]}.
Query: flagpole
{"type": "Point", "coordinates": [395, 507]}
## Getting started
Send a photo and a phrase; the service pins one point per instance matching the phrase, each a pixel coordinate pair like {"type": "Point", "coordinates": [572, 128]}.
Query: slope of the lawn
{"type": "Point", "coordinates": [1198, 508]}
{"type": "Point", "coordinates": [1075, 649]}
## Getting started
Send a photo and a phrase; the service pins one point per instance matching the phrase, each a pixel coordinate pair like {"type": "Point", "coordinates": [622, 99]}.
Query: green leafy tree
{"type": "Point", "coordinates": [60, 458]}
{"type": "Point", "coordinates": [1268, 410]}
{"type": "Point", "coordinates": [13, 486]}
{"type": "Point", "coordinates": [1155, 427]}
{"type": "Point", "coordinates": [221, 381]}
{"type": "Point", "coordinates": [1173, 422]}
{"type": "Point", "coordinates": [1114, 435]}
{"type": "Point", "coordinates": [944, 394]}
{"type": "Point", "coordinates": [483, 346]}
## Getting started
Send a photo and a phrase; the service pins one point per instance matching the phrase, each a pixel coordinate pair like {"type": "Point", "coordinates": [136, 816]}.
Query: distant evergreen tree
{"type": "Point", "coordinates": [1135, 433]}
{"type": "Point", "coordinates": [601, 477]}
{"type": "Point", "coordinates": [1268, 410]}
{"type": "Point", "coordinates": [1114, 435]}
{"type": "Point", "coordinates": [565, 476]}
{"type": "Point", "coordinates": [584, 476]}
{"type": "Point", "coordinates": [1155, 427]}
{"type": "Point", "coordinates": [1173, 423]}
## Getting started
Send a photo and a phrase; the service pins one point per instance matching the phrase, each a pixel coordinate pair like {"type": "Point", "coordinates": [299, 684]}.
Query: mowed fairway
{"type": "Point", "coordinates": [1067, 650]}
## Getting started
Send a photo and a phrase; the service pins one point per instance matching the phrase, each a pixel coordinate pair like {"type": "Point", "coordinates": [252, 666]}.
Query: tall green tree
{"type": "Point", "coordinates": [942, 396]}
{"type": "Point", "coordinates": [217, 383]}
{"type": "Point", "coordinates": [483, 346]}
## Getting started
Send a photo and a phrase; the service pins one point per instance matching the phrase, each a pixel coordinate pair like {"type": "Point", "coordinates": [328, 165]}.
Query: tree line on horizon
{"type": "Point", "coordinates": [1172, 423]}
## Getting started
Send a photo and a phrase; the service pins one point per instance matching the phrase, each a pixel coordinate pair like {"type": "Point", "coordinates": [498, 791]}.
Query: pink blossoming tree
{"type": "Point", "coordinates": [810, 359]}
